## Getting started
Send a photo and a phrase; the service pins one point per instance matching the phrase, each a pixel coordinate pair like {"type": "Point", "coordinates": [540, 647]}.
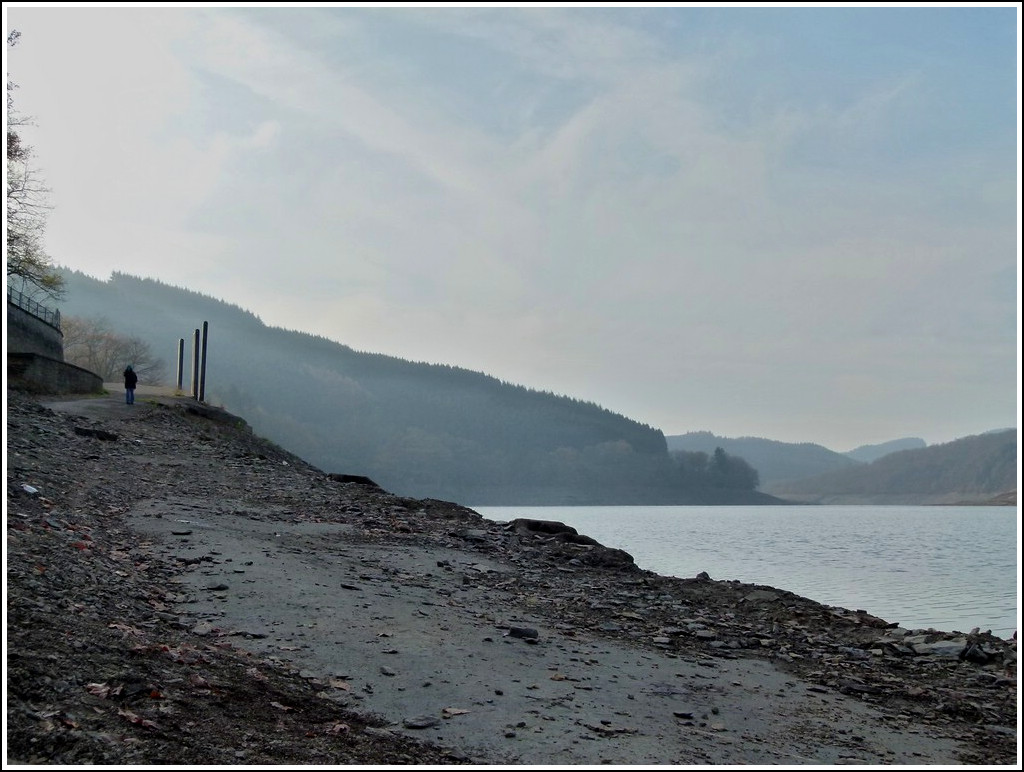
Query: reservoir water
{"type": "Point", "coordinates": [947, 568]}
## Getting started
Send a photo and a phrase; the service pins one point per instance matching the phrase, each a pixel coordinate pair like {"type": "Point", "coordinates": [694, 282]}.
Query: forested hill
{"type": "Point", "coordinates": [421, 430]}
{"type": "Point", "coordinates": [976, 469]}
{"type": "Point", "coordinates": [868, 453]}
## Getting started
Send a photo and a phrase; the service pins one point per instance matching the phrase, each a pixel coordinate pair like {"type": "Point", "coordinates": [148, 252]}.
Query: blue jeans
{"type": "Point", "coordinates": [129, 396]}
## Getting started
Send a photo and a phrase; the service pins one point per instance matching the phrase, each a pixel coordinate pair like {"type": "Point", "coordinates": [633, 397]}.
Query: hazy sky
{"type": "Point", "coordinates": [792, 223]}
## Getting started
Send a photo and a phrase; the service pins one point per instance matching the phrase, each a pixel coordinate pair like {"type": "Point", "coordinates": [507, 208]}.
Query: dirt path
{"type": "Point", "coordinates": [435, 640]}
{"type": "Point", "coordinates": [427, 647]}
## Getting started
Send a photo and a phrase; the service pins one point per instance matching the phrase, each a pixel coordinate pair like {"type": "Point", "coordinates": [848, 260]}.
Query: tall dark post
{"type": "Point", "coordinates": [195, 365]}
{"type": "Point", "coordinates": [181, 361]}
{"type": "Point", "coordinates": [202, 367]}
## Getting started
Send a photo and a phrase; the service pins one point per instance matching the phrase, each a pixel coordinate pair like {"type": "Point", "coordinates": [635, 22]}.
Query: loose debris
{"type": "Point", "coordinates": [102, 670]}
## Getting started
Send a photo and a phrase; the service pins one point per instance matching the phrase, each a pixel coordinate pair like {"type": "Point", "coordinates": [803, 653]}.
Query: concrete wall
{"type": "Point", "coordinates": [35, 358]}
{"type": "Point", "coordinates": [28, 334]}
{"type": "Point", "coordinates": [43, 375]}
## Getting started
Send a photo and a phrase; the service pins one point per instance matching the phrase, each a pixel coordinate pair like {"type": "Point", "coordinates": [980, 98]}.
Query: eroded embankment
{"type": "Point", "coordinates": [181, 590]}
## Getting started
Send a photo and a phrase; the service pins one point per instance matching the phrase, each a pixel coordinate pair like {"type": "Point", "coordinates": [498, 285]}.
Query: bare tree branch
{"type": "Point", "coordinates": [27, 208]}
{"type": "Point", "coordinates": [94, 344]}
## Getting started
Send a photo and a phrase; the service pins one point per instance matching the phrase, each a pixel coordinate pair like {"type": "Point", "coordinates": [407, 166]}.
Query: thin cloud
{"type": "Point", "coordinates": [674, 214]}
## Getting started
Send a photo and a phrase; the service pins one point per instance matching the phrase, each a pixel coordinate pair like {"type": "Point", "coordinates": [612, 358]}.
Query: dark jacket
{"type": "Point", "coordinates": [130, 378]}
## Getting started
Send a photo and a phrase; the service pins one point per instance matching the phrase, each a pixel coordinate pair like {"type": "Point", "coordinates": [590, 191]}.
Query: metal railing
{"type": "Point", "coordinates": [49, 315]}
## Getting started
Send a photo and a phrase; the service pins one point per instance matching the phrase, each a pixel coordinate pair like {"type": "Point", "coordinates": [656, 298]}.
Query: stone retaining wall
{"type": "Point", "coordinates": [30, 334]}
{"type": "Point", "coordinates": [44, 375]}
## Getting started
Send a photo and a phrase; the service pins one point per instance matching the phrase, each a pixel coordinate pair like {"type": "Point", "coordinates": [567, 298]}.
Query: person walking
{"type": "Point", "coordinates": [130, 381]}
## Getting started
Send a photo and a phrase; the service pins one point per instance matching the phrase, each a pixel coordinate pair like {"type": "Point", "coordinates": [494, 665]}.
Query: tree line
{"type": "Point", "coordinates": [717, 470]}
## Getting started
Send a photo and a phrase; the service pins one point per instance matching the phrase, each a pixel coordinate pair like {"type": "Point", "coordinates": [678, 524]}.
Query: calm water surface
{"type": "Point", "coordinates": [950, 568]}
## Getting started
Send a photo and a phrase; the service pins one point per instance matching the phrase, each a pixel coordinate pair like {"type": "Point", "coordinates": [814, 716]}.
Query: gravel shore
{"type": "Point", "coordinates": [180, 591]}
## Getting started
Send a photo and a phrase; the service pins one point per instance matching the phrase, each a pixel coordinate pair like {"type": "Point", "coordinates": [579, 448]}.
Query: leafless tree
{"type": "Point", "coordinates": [96, 346]}
{"type": "Point", "coordinates": [27, 209]}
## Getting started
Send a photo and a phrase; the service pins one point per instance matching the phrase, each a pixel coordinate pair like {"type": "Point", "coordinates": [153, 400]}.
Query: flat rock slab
{"type": "Point", "coordinates": [399, 630]}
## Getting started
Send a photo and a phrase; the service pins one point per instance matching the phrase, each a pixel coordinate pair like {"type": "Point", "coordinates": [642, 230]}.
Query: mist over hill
{"type": "Point", "coordinates": [417, 429]}
{"type": "Point", "coordinates": [868, 453]}
{"type": "Point", "coordinates": [775, 461]}
{"type": "Point", "coordinates": [975, 470]}
{"type": "Point", "coordinates": [971, 470]}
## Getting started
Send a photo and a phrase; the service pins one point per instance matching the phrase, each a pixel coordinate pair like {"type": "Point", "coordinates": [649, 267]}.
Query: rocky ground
{"type": "Point", "coordinates": [182, 592]}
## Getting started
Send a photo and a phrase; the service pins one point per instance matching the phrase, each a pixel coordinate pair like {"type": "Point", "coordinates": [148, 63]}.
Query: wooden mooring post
{"type": "Point", "coordinates": [181, 363]}
{"type": "Point", "coordinates": [202, 366]}
{"type": "Point", "coordinates": [195, 364]}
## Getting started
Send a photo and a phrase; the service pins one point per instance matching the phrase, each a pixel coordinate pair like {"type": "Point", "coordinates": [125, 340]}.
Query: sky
{"type": "Point", "coordinates": [797, 223]}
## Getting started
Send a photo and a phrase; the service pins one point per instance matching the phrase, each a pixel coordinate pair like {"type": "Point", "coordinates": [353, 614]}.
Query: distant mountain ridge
{"type": "Point", "coordinates": [980, 469]}
{"type": "Point", "coordinates": [893, 472]}
{"type": "Point", "coordinates": [868, 453]}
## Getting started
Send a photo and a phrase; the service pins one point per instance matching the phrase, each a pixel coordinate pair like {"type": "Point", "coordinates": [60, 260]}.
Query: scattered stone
{"type": "Point", "coordinates": [760, 596]}
{"type": "Point", "coordinates": [99, 434]}
{"type": "Point", "coordinates": [353, 478]}
{"type": "Point", "coordinates": [942, 649]}
{"type": "Point", "coordinates": [522, 632]}
{"type": "Point", "coordinates": [963, 687]}
{"type": "Point", "coordinates": [976, 654]}
{"type": "Point", "coordinates": [421, 722]}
